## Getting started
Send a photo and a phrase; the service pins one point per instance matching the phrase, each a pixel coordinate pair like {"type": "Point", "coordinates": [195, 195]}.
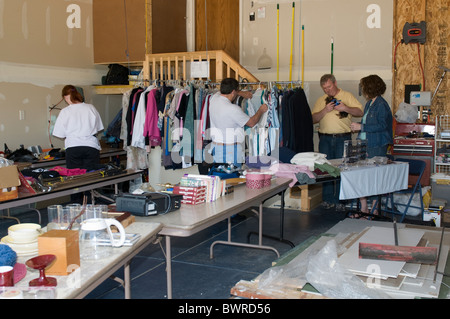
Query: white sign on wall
{"type": "Point", "coordinates": [200, 69]}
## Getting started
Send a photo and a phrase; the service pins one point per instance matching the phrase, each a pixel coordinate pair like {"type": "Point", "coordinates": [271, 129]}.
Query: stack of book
{"type": "Point", "coordinates": [191, 194]}
{"type": "Point", "coordinates": [214, 186]}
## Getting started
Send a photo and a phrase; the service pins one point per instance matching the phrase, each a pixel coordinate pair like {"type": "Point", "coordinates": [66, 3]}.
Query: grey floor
{"type": "Point", "coordinates": [195, 275]}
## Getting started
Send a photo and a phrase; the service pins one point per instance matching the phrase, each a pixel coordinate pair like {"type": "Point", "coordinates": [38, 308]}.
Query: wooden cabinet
{"type": "Point", "coordinates": [124, 31]}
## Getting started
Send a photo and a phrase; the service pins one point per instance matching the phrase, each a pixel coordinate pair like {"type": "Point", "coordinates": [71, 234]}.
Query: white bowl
{"type": "Point", "coordinates": [22, 249]}
{"type": "Point", "coordinates": [24, 233]}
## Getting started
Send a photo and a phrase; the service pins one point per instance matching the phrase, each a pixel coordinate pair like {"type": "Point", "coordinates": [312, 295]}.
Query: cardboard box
{"type": "Point", "coordinates": [9, 182]}
{"type": "Point", "coordinates": [310, 196]}
{"type": "Point", "coordinates": [9, 177]}
{"type": "Point", "coordinates": [64, 244]}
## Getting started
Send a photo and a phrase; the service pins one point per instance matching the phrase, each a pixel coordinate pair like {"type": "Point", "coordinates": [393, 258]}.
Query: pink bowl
{"type": "Point", "coordinates": [254, 180]}
{"type": "Point", "coordinates": [267, 180]}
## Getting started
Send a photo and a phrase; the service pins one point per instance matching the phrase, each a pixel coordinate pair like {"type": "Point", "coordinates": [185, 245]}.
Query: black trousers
{"type": "Point", "coordinates": [82, 157]}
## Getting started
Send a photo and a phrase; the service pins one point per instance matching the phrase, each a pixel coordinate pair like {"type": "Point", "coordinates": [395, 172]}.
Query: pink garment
{"type": "Point", "coordinates": [151, 120]}
{"type": "Point", "coordinates": [290, 171]}
{"type": "Point", "coordinates": [69, 171]}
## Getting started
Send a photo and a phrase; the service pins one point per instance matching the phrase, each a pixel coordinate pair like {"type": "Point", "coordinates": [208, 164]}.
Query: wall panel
{"type": "Point", "coordinates": [432, 54]}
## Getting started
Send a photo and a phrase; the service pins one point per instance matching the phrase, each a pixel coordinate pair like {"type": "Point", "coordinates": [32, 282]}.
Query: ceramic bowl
{"type": "Point", "coordinates": [254, 180]}
{"type": "Point", "coordinates": [21, 249]}
{"type": "Point", "coordinates": [267, 180]}
{"type": "Point", "coordinates": [24, 233]}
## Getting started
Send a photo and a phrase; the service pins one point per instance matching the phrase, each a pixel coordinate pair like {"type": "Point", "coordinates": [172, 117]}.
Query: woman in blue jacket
{"type": "Point", "coordinates": [376, 123]}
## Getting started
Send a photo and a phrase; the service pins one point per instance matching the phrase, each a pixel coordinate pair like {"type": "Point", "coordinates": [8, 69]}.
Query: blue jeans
{"type": "Point", "coordinates": [231, 154]}
{"type": "Point", "coordinates": [333, 147]}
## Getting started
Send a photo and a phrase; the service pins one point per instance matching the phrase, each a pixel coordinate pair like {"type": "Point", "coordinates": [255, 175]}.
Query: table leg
{"type": "Point", "coordinates": [127, 280]}
{"type": "Point", "coordinates": [8, 216]}
{"type": "Point", "coordinates": [281, 238]}
{"type": "Point", "coordinates": [230, 243]}
{"type": "Point", "coordinates": [260, 224]}
{"type": "Point", "coordinates": [282, 216]}
{"type": "Point", "coordinates": [168, 268]}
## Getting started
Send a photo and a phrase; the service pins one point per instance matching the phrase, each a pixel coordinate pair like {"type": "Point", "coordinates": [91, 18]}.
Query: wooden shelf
{"type": "Point", "coordinates": [112, 89]}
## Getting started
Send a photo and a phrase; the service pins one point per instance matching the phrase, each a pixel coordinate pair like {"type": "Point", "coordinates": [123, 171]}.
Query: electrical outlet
{"type": "Point", "coordinates": [21, 115]}
{"type": "Point", "coordinates": [255, 41]}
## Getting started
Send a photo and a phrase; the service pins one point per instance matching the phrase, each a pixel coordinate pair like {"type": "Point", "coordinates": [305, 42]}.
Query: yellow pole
{"type": "Point", "coordinates": [292, 41]}
{"type": "Point", "coordinates": [303, 54]}
{"type": "Point", "coordinates": [278, 42]}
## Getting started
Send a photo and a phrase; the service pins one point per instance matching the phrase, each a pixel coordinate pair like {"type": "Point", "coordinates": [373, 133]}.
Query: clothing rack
{"type": "Point", "coordinates": [207, 82]}
{"type": "Point", "coordinates": [137, 156]}
{"type": "Point", "coordinates": [269, 82]}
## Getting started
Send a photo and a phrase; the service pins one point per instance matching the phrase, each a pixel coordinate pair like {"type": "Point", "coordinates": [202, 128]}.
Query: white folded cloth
{"type": "Point", "coordinates": [309, 159]}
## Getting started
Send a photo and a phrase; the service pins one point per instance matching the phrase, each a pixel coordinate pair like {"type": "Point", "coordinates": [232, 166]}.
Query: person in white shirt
{"type": "Point", "coordinates": [78, 125]}
{"type": "Point", "coordinates": [227, 123]}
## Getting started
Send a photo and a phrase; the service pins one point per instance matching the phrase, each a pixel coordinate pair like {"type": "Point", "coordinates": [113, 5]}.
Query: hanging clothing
{"type": "Point", "coordinates": [297, 122]}
{"type": "Point", "coordinates": [151, 129]}
{"type": "Point", "coordinates": [177, 118]}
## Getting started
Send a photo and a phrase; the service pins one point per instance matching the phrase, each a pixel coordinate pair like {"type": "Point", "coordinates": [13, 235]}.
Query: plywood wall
{"type": "Point", "coordinates": [127, 30]}
{"type": "Point", "coordinates": [220, 29]}
{"type": "Point", "coordinates": [411, 59]}
{"type": "Point", "coordinates": [437, 53]}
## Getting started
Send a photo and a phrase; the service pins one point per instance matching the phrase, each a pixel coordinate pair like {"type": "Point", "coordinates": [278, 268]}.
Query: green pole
{"type": "Point", "coordinates": [332, 54]}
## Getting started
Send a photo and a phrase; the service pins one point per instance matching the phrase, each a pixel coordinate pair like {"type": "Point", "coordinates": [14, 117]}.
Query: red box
{"type": "Point", "coordinates": [181, 190]}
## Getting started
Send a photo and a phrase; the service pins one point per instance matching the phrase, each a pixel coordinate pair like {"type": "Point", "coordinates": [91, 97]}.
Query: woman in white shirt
{"type": "Point", "coordinates": [78, 124]}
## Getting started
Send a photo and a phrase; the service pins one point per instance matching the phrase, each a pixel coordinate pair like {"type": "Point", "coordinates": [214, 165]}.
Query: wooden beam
{"type": "Point", "coordinates": [420, 255]}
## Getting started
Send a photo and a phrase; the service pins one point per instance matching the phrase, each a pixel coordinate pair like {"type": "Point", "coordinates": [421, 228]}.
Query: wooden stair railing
{"type": "Point", "coordinates": [175, 66]}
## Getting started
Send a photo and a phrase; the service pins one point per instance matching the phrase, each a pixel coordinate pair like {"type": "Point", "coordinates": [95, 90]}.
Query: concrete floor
{"type": "Point", "coordinates": [194, 274]}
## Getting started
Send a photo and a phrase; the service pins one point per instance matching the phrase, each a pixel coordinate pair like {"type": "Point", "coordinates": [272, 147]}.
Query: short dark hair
{"type": "Point", "coordinates": [372, 86]}
{"type": "Point", "coordinates": [228, 85]}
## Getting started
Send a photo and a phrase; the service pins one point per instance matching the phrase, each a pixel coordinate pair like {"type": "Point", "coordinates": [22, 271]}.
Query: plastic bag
{"type": "Point", "coordinates": [332, 280]}
{"type": "Point", "coordinates": [414, 208]}
{"type": "Point", "coordinates": [406, 113]}
{"type": "Point", "coordinates": [288, 275]}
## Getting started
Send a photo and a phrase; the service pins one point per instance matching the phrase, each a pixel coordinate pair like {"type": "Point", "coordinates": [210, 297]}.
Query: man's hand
{"type": "Point", "coordinates": [341, 107]}
{"type": "Point", "coordinates": [245, 94]}
{"type": "Point", "coordinates": [264, 108]}
{"type": "Point", "coordinates": [355, 126]}
{"type": "Point", "coordinates": [255, 118]}
{"type": "Point", "coordinates": [329, 107]}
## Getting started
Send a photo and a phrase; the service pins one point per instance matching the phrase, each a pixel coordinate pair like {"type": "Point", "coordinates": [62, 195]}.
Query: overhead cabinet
{"type": "Point", "coordinates": [125, 30]}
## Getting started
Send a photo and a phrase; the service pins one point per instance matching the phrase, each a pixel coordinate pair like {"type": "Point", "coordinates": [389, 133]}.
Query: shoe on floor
{"type": "Point", "coordinates": [327, 205]}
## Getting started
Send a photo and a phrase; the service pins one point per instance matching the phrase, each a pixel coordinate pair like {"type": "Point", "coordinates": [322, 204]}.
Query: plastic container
{"type": "Point", "coordinates": [255, 180]}
{"type": "Point", "coordinates": [267, 180]}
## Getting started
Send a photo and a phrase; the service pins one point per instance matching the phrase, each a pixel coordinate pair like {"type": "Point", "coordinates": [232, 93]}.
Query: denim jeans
{"type": "Point", "coordinates": [228, 154]}
{"type": "Point", "coordinates": [333, 147]}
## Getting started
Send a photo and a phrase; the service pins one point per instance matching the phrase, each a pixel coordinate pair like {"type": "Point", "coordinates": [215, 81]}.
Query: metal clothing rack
{"type": "Point", "coordinates": [271, 82]}
{"type": "Point", "coordinates": [207, 82]}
